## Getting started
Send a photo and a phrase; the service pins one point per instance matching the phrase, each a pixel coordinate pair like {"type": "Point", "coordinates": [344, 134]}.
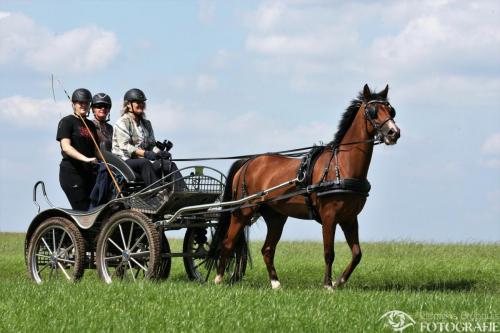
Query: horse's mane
{"type": "Point", "coordinates": [350, 114]}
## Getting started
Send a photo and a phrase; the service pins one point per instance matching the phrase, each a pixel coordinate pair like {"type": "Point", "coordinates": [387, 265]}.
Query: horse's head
{"type": "Point", "coordinates": [379, 115]}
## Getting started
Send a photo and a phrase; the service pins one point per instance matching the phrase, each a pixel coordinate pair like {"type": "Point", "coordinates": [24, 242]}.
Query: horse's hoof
{"type": "Point", "coordinates": [328, 287]}
{"type": "Point", "coordinates": [338, 283]}
{"type": "Point", "coordinates": [275, 284]}
{"type": "Point", "coordinates": [218, 279]}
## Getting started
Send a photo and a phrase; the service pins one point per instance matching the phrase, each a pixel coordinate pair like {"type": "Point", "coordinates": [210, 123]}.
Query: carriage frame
{"type": "Point", "coordinates": [125, 239]}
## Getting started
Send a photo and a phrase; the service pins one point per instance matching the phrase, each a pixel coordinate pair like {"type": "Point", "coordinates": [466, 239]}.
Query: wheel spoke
{"type": "Point", "coordinates": [138, 264]}
{"type": "Point", "coordinates": [63, 270]}
{"type": "Point", "coordinates": [139, 254]}
{"type": "Point", "coordinates": [42, 255]}
{"type": "Point", "coordinates": [112, 258]}
{"type": "Point", "coordinates": [61, 241]}
{"type": "Point", "coordinates": [54, 239]}
{"type": "Point", "coordinates": [131, 272]}
{"type": "Point", "coordinates": [201, 263]}
{"type": "Point", "coordinates": [47, 246]}
{"type": "Point", "coordinates": [66, 260]}
{"type": "Point", "coordinates": [116, 269]}
{"type": "Point", "coordinates": [123, 238]}
{"type": "Point", "coordinates": [113, 242]}
{"type": "Point", "coordinates": [130, 236]}
{"type": "Point", "coordinates": [69, 248]}
{"type": "Point", "coordinates": [43, 267]}
{"type": "Point", "coordinates": [137, 242]}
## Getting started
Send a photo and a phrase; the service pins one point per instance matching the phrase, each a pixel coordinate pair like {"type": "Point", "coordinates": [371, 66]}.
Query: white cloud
{"type": "Point", "coordinates": [22, 41]}
{"type": "Point", "coordinates": [206, 11]}
{"type": "Point", "coordinates": [492, 145]}
{"type": "Point", "coordinates": [202, 83]}
{"type": "Point", "coordinates": [491, 151]}
{"type": "Point", "coordinates": [492, 163]}
{"type": "Point", "coordinates": [221, 59]}
{"type": "Point", "coordinates": [202, 130]}
{"type": "Point", "coordinates": [394, 42]}
{"type": "Point", "coordinates": [444, 38]}
{"type": "Point", "coordinates": [206, 83]}
{"type": "Point", "coordinates": [4, 14]}
{"type": "Point", "coordinates": [27, 112]}
{"type": "Point", "coordinates": [267, 16]}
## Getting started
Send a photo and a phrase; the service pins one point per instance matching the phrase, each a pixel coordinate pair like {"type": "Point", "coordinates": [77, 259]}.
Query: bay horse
{"type": "Point", "coordinates": [369, 119]}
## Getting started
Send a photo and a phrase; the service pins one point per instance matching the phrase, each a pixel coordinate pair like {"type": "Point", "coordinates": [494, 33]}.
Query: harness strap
{"type": "Point", "coordinates": [304, 173]}
{"type": "Point", "coordinates": [345, 186]}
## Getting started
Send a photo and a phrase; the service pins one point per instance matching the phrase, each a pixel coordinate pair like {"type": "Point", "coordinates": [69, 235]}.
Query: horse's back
{"type": "Point", "coordinates": [265, 171]}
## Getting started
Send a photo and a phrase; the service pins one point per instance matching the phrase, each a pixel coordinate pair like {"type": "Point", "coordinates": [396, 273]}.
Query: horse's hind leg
{"type": "Point", "coordinates": [275, 223]}
{"type": "Point", "coordinates": [350, 229]}
{"type": "Point", "coordinates": [234, 231]}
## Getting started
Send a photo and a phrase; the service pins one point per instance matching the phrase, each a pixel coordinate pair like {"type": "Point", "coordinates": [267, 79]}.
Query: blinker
{"type": "Point", "coordinates": [372, 112]}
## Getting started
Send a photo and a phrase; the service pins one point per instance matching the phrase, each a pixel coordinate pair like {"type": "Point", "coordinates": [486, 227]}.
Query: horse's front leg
{"type": "Point", "coordinates": [329, 226]}
{"type": "Point", "coordinates": [350, 229]}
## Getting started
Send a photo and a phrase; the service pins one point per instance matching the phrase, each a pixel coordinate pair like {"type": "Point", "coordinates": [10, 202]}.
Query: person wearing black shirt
{"type": "Point", "coordinates": [77, 168]}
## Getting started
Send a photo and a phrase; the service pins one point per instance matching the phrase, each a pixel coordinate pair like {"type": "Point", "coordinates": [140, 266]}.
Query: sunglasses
{"type": "Point", "coordinates": [100, 106]}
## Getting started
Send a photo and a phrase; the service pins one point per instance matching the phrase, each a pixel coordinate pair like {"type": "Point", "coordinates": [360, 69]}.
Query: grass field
{"type": "Point", "coordinates": [430, 282]}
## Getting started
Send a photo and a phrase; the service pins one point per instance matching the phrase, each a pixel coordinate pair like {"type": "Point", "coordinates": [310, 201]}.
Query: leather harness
{"type": "Point", "coordinates": [326, 187]}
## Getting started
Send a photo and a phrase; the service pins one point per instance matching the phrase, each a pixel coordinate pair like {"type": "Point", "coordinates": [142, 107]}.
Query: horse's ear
{"type": "Point", "coordinates": [384, 92]}
{"type": "Point", "coordinates": [367, 94]}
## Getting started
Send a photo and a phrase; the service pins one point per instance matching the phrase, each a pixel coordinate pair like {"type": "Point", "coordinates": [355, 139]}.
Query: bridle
{"type": "Point", "coordinates": [370, 113]}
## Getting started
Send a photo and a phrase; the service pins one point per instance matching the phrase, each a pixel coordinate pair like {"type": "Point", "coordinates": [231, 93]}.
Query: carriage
{"type": "Point", "coordinates": [125, 238]}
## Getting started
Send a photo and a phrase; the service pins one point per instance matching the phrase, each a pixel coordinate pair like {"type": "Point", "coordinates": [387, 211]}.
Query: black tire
{"type": "Point", "coordinates": [128, 248]}
{"type": "Point", "coordinates": [165, 262]}
{"type": "Point", "coordinates": [56, 251]}
{"type": "Point", "coordinates": [196, 246]}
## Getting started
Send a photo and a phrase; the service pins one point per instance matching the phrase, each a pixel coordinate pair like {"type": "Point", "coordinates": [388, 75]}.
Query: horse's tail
{"type": "Point", "coordinates": [225, 217]}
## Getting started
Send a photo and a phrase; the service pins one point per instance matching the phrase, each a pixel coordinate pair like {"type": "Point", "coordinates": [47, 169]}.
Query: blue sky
{"type": "Point", "coordinates": [240, 77]}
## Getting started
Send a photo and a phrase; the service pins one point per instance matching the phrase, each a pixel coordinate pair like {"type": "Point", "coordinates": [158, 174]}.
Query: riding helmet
{"type": "Point", "coordinates": [81, 95]}
{"type": "Point", "coordinates": [101, 98]}
{"type": "Point", "coordinates": [134, 95]}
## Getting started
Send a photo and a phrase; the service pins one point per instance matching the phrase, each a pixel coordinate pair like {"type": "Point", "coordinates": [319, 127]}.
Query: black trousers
{"type": "Point", "coordinates": [152, 172]}
{"type": "Point", "coordinates": [77, 185]}
{"type": "Point", "coordinates": [144, 168]}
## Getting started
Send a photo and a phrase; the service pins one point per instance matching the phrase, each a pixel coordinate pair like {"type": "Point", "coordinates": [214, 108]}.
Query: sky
{"type": "Point", "coordinates": [227, 78]}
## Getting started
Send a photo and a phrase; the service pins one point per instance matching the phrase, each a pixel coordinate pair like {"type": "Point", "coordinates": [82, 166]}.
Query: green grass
{"type": "Point", "coordinates": [419, 279]}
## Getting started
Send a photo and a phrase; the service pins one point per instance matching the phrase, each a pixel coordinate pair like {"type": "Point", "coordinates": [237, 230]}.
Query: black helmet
{"type": "Point", "coordinates": [81, 95]}
{"type": "Point", "coordinates": [101, 98]}
{"type": "Point", "coordinates": [134, 95]}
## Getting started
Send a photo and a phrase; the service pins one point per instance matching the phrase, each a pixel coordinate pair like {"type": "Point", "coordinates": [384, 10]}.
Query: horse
{"type": "Point", "coordinates": [337, 192]}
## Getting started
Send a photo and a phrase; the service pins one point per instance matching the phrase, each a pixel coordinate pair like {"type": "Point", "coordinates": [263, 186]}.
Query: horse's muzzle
{"type": "Point", "coordinates": [390, 132]}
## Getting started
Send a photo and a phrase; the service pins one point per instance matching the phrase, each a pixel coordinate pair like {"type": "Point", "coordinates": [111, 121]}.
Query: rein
{"type": "Point", "coordinates": [290, 153]}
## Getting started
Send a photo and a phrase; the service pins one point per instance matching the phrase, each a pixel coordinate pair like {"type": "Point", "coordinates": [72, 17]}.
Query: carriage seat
{"type": "Point", "coordinates": [121, 166]}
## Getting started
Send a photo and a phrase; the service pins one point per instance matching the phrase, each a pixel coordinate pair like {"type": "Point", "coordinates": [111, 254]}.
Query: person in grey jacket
{"type": "Point", "coordinates": [134, 140]}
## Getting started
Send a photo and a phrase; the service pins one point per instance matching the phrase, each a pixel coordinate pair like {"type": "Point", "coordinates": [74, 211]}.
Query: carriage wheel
{"type": "Point", "coordinates": [165, 262]}
{"type": "Point", "coordinates": [128, 248]}
{"type": "Point", "coordinates": [56, 251]}
{"type": "Point", "coordinates": [196, 246]}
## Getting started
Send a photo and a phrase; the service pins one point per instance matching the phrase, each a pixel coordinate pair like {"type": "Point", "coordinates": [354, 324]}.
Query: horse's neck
{"type": "Point", "coordinates": [354, 160]}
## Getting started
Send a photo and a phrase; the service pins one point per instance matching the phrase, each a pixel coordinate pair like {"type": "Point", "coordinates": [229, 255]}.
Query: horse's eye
{"type": "Point", "coordinates": [372, 112]}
